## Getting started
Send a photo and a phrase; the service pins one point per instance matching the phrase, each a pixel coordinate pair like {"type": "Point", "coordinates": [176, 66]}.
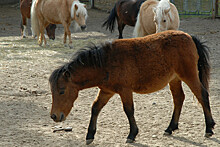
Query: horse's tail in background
{"type": "Point", "coordinates": [203, 63]}
{"type": "Point", "coordinates": [34, 20]}
{"type": "Point", "coordinates": [110, 22]}
{"type": "Point", "coordinates": [138, 32]}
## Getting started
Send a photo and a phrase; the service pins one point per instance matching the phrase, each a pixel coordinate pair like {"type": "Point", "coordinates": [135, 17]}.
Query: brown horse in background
{"type": "Point", "coordinates": [62, 12]}
{"type": "Point", "coordinates": [141, 65]}
{"type": "Point", "coordinates": [25, 6]}
{"type": "Point", "coordinates": [125, 11]}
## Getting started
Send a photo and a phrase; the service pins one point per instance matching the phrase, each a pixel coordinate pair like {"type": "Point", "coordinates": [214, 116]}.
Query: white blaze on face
{"type": "Point", "coordinates": [161, 13]}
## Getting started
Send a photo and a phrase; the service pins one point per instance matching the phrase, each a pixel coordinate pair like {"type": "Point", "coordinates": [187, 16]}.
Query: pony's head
{"type": "Point", "coordinates": [79, 14]}
{"type": "Point", "coordinates": [161, 15]}
{"type": "Point", "coordinates": [66, 81]}
{"type": "Point", "coordinates": [64, 93]}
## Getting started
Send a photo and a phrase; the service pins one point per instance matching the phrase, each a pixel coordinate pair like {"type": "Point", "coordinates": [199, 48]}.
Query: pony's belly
{"type": "Point", "coordinates": [154, 85]}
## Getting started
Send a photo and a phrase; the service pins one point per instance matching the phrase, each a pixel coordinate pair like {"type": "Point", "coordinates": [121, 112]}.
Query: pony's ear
{"type": "Point", "coordinates": [66, 74]}
{"type": "Point", "coordinates": [76, 7]}
{"type": "Point", "coordinates": [167, 10]}
{"type": "Point", "coordinates": [154, 10]}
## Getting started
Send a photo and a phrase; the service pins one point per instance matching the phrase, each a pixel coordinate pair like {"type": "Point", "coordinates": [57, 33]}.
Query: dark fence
{"type": "Point", "coordinates": [6, 2]}
{"type": "Point", "coordinates": [185, 7]}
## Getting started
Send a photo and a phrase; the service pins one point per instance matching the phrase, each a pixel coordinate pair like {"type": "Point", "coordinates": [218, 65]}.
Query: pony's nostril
{"type": "Point", "coordinates": [53, 116]}
{"type": "Point", "coordinates": [61, 116]}
{"type": "Point", "coordinates": [83, 27]}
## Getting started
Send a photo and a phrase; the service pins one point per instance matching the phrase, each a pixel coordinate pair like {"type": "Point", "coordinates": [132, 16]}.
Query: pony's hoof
{"type": "Point", "coordinates": [208, 135]}
{"type": "Point", "coordinates": [89, 141]}
{"type": "Point", "coordinates": [39, 43]}
{"type": "Point", "coordinates": [46, 45]}
{"type": "Point", "coordinates": [129, 141]}
{"type": "Point", "coordinates": [70, 46]}
{"type": "Point", "coordinates": [23, 36]}
{"type": "Point", "coordinates": [167, 133]}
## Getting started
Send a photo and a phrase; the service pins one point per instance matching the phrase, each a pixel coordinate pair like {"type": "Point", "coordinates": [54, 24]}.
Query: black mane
{"type": "Point", "coordinates": [91, 56]}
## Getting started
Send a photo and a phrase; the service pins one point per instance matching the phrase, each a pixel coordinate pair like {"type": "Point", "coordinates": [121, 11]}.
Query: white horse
{"type": "Point", "coordinates": [156, 16]}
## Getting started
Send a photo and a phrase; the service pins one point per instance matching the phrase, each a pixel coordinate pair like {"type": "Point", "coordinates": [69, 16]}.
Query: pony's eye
{"type": "Point", "coordinates": [77, 15]}
{"type": "Point", "coordinates": [61, 92]}
{"type": "Point", "coordinates": [164, 20]}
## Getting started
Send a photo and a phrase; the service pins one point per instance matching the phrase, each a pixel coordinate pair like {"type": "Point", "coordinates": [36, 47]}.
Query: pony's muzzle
{"type": "Point", "coordinates": [83, 27]}
{"type": "Point", "coordinates": [54, 117]}
{"type": "Point", "coordinates": [58, 119]}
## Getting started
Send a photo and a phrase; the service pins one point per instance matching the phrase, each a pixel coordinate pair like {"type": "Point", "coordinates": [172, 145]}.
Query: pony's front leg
{"type": "Point", "coordinates": [67, 32]}
{"type": "Point", "coordinates": [128, 105]}
{"type": "Point", "coordinates": [64, 38]}
{"type": "Point", "coordinates": [101, 100]}
{"type": "Point", "coordinates": [42, 37]}
{"type": "Point", "coordinates": [178, 98]}
{"type": "Point", "coordinates": [70, 40]}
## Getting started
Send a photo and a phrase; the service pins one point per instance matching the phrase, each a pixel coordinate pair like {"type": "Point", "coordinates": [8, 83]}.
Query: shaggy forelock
{"type": "Point", "coordinates": [81, 9]}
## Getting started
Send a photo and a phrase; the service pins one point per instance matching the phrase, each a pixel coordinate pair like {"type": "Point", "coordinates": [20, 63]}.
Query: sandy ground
{"type": "Point", "coordinates": [25, 97]}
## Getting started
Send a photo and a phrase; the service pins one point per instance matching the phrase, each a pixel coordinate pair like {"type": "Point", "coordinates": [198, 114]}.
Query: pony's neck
{"type": "Point", "coordinates": [88, 77]}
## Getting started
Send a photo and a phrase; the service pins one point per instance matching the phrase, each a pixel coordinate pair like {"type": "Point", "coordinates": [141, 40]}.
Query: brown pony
{"type": "Point", "coordinates": [125, 11]}
{"type": "Point", "coordinates": [156, 16]}
{"type": "Point", "coordinates": [141, 65]}
{"type": "Point", "coordinates": [62, 12]}
{"type": "Point", "coordinates": [25, 6]}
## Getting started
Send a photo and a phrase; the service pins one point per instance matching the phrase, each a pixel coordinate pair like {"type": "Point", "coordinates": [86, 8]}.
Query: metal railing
{"type": "Point", "coordinates": [185, 7]}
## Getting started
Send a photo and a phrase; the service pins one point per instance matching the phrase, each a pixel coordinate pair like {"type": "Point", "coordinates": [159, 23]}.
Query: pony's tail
{"type": "Point", "coordinates": [203, 63]}
{"type": "Point", "coordinates": [138, 32]}
{"type": "Point", "coordinates": [110, 22]}
{"type": "Point", "coordinates": [34, 20]}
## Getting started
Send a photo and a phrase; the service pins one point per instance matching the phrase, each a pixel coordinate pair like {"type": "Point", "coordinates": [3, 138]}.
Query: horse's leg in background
{"type": "Point", "coordinates": [23, 26]}
{"type": "Point", "coordinates": [121, 26]}
{"type": "Point", "coordinates": [67, 33]}
{"type": "Point", "coordinates": [64, 38]}
{"type": "Point", "coordinates": [42, 37]}
{"type": "Point", "coordinates": [101, 100]}
{"type": "Point", "coordinates": [128, 105]}
{"type": "Point", "coordinates": [178, 98]}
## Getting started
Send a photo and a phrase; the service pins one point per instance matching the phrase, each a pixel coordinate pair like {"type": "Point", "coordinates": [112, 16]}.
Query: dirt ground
{"type": "Point", "coordinates": [25, 97]}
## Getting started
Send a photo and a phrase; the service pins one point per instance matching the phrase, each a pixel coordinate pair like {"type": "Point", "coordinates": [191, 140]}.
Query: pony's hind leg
{"type": "Point", "coordinates": [121, 26]}
{"type": "Point", "coordinates": [23, 27]}
{"type": "Point", "coordinates": [101, 100]}
{"type": "Point", "coordinates": [203, 97]}
{"type": "Point", "coordinates": [128, 105]}
{"type": "Point", "coordinates": [178, 98]}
